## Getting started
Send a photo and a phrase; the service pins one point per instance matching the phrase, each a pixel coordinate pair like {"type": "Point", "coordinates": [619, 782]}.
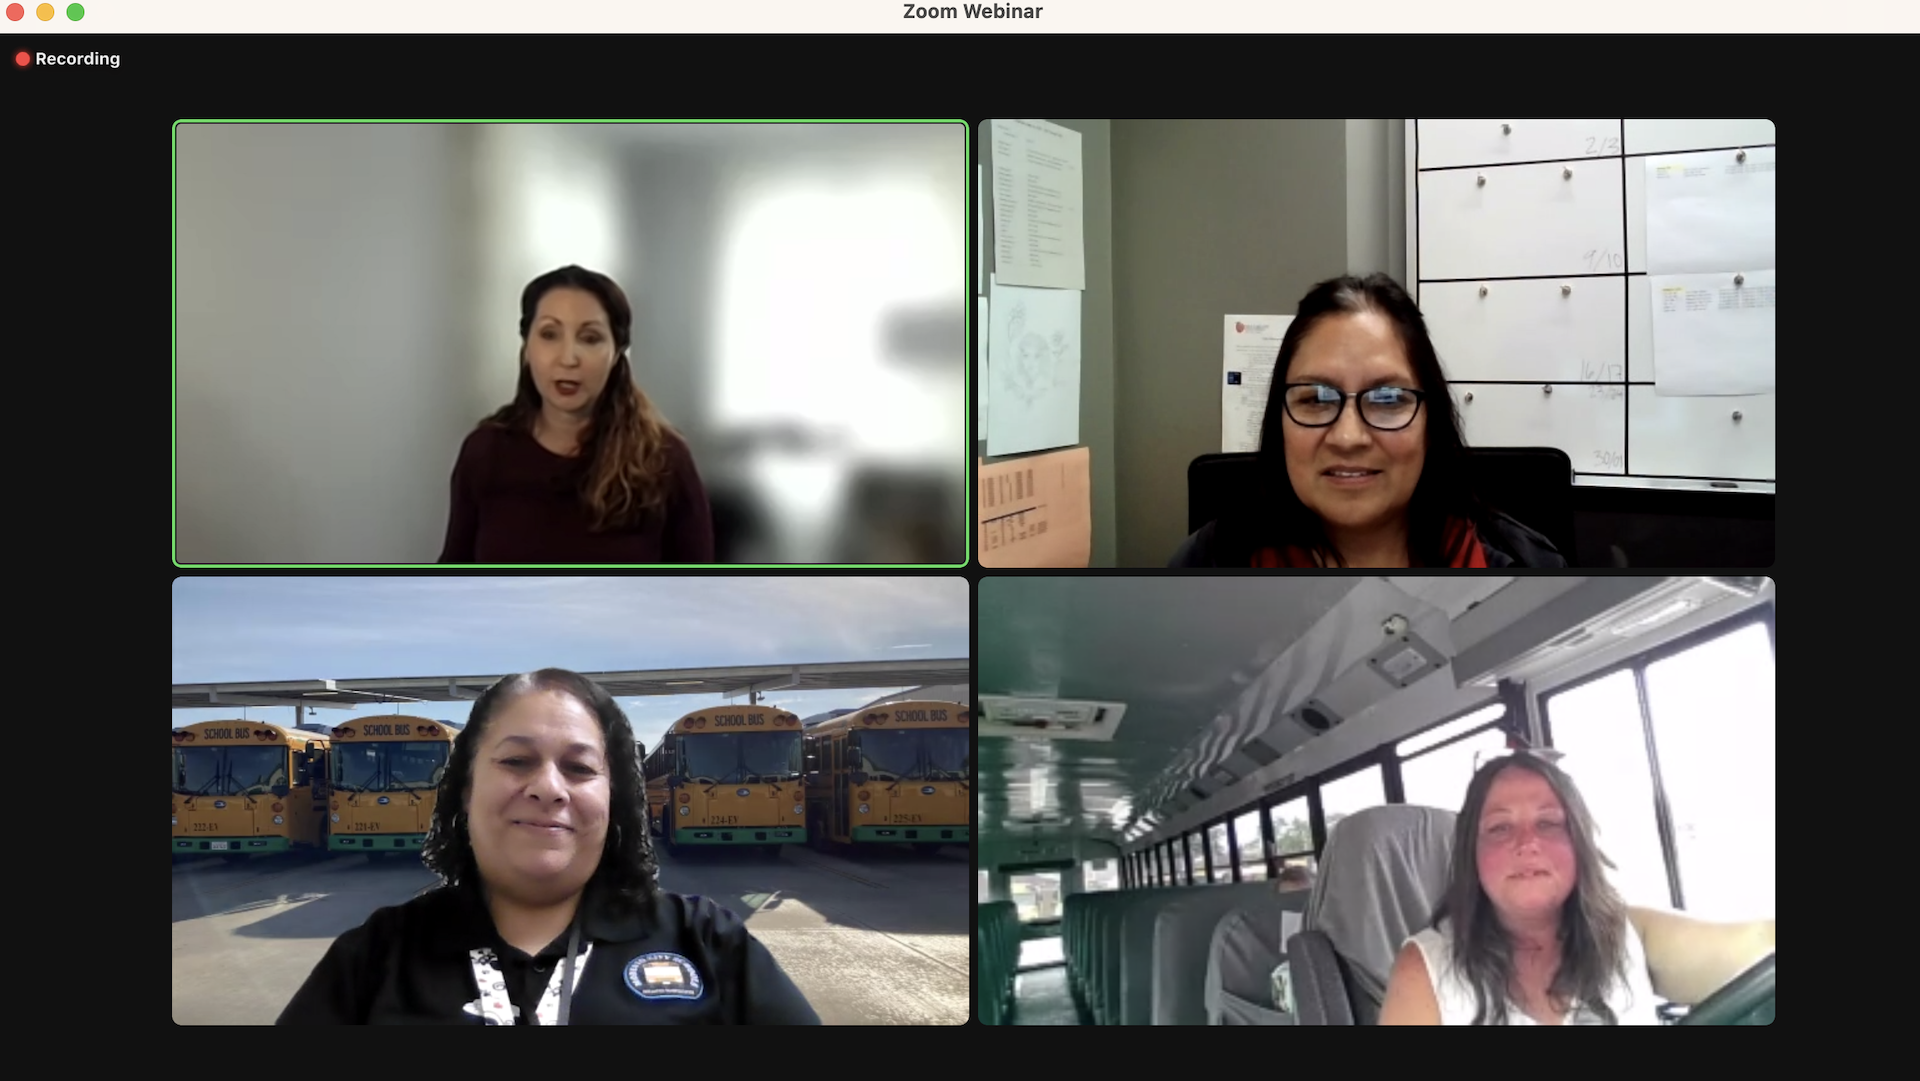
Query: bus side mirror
{"type": "Point", "coordinates": [280, 791]}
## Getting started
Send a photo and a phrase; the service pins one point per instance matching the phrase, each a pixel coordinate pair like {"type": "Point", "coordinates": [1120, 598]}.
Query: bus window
{"type": "Point", "coordinates": [1100, 875]}
{"type": "Point", "coordinates": [1597, 726]}
{"type": "Point", "coordinates": [1438, 778]}
{"type": "Point", "coordinates": [1356, 791]}
{"type": "Point", "coordinates": [1253, 847]}
{"type": "Point", "coordinates": [1712, 709]}
{"type": "Point", "coordinates": [1036, 894]}
{"type": "Point", "coordinates": [1292, 831]}
{"type": "Point", "coordinates": [1221, 870]}
{"type": "Point", "coordinates": [255, 771]}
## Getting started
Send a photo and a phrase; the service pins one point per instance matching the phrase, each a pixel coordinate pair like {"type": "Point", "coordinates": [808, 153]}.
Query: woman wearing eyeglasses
{"type": "Point", "coordinates": [1361, 459]}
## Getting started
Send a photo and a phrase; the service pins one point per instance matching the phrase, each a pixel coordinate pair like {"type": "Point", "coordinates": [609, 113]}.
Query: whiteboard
{"type": "Point", "coordinates": [1553, 330]}
{"type": "Point", "coordinates": [1588, 422]}
{"type": "Point", "coordinates": [1526, 250]}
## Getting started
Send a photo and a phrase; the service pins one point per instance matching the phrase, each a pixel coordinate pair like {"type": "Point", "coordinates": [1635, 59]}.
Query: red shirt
{"type": "Point", "coordinates": [514, 501]}
{"type": "Point", "coordinates": [1462, 545]}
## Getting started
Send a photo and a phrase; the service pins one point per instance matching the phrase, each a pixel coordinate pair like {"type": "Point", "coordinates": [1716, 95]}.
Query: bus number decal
{"type": "Point", "coordinates": [386, 730]}
{"type": "Point", "coordinates": [366, 827]}
{"type": "Point", "coordinates": [935, 715]}
{"type": "Point", "coordinates": [739, 720]}
{"type": "Point", "coordinates": [724, 820]}
{"type": "Point", "coordinates": [906, 818]}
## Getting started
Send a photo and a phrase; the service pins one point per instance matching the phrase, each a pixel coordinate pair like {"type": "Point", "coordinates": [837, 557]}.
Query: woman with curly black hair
{"type": "Point", "coordinates": [549, 911]}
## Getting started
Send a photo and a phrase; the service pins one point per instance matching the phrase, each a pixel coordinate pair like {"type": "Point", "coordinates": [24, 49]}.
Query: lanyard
{"type": "Point", "coordinates": [556, 1003]}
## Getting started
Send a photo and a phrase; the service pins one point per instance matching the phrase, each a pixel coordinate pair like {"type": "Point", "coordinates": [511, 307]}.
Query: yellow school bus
{"type": "Point", "coordinates": [386, 771]}
{"type": "Point", "coordinates": [899, 773]}
{"type": "Point", "coordinates": [729, 775]}
{"type": "Point", "coordinates": [243, 788]}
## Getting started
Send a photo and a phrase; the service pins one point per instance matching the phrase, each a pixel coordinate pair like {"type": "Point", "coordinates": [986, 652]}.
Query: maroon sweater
{"type": "Point", "coordinates": [514, 501]}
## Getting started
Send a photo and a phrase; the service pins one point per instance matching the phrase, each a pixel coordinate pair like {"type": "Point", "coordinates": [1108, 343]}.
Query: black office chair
{"type": "Point", "coordinates": [1533, 485]}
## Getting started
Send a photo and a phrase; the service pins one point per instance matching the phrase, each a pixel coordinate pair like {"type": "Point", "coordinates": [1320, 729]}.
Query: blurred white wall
{"type": "Point", "coordinates": [349, 298]}
{"type": "Point", "coordinates": [323, 382]}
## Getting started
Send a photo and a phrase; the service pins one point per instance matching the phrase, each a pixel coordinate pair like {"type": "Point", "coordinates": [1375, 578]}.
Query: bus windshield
{"type": "Point", "coordinates": [395, 766]}
{"type": "Point", "coordinates": [933, 753]}
{"type": "Point", "coordinates": [228, 771]}
{"type": "Point", "coordinates": [745, 757]}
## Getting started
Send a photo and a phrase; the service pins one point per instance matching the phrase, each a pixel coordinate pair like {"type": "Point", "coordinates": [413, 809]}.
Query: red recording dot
{"type": "Point", "coordinates": [22, 59]}
{"type": "Point", "coordinates": [16, 12]}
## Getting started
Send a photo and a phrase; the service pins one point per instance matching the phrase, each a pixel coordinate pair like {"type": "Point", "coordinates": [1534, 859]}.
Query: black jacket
{"type": "Point", "coordinates": [410, 965]}
{"type": "Point", "coordinates": [1507, 544]}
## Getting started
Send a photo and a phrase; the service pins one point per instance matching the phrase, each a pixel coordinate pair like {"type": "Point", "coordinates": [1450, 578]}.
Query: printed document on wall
{"type": "Point", "coordinates": [1710, 211]}
{"type": "Point", "coordinates": [1712, 336]}
{"type": "Point", "coordinates": [1033, 365]}
{"type": "Point", "coordinates": [979, 350]}
{"type": "Point", "coordinates": [1037, 511]}
{"type": "Point", "coordinates": [1252, 344]}
{"type": "Point", "coordinates": [981, 258]}
{"type": "Point", "coordinates": [1036, 205]}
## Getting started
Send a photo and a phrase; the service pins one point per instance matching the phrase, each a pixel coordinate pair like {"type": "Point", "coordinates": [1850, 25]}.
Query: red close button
{"type": "Point", "coordinates": [22, 59]}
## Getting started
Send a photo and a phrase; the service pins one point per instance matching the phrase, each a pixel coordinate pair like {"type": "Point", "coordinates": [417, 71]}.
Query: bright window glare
{"type": "Point", "coordinates": [1097, 875]}
{"type": "Point", "coordinates": [1439, 778]}
{"type": "Point", "coordinates": [1035, 896]}
{"type": "Point", "coordinates": [1292, 829]}
{"type": "Point", "coordinates": [1407, 748]}
{"type": "Point", "coordinates": [1253, 856]}
{"type": "Point", "coordinates": [1046, 950]}
{"type": "Point", "coordinates": [1597, 725]}
{"type": "Point", "coordinates": [811, 275]}
{"type": "Point", "coordinates": [1713, 726]}
{"type": "Point", "coordinates": [1354, 792]}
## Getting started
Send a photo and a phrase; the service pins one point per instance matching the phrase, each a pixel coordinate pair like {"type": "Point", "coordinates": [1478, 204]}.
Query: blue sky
{"type": "Point", "coordinates": [264, 629]}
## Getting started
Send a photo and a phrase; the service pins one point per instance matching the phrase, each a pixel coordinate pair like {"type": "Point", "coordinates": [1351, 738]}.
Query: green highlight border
{"type": "Point", "coordinates": [968, 345]}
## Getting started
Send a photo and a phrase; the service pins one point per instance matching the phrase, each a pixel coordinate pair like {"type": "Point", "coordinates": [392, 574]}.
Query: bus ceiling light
{"type": "Point", "coordinates": [1015, 717]}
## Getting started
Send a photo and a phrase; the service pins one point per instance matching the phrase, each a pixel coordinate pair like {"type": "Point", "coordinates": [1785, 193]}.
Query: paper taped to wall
{"type": "Point", "coordinates": [1037, 511]}
{"type": "Point", "coordinates": [1252, 344]}
{"type": "Point", "coordinates": [1713, 334]}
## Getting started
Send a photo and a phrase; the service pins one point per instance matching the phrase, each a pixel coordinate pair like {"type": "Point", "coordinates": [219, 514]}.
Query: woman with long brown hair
{"type": "Point", "coordinates": [579, 467]}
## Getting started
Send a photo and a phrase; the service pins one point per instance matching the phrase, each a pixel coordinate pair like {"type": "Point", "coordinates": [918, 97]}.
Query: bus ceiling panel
{"type": "Point", "coordinates": [1601, 621]}
{"type": "Point", "coordinates": [1167, 649]}
{"type": "Point", "coordinates": [1374, 645]}
{"type": "Point", "coordinates": [1455, 595]}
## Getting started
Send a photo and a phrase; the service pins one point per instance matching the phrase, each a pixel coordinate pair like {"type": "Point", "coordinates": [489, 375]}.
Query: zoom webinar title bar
{"type": "Point", "coordinates": [1237, 17]}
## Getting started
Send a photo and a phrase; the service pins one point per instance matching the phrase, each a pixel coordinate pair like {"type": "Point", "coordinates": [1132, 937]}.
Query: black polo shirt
{"type": "Point", "coordinates": [411, 964]}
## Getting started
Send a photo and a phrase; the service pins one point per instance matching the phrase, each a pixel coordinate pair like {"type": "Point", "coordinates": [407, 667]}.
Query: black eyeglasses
{"type": "Point", "coordinates": [1316, 405]}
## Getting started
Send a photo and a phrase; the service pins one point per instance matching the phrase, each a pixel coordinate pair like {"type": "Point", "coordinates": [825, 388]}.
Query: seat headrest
{"type": "Point", "coordinates": [1384, 871]}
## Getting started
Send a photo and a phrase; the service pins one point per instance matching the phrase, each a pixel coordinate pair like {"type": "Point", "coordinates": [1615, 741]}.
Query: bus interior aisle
{"type": "Point", "coordinates": [1232, 801]}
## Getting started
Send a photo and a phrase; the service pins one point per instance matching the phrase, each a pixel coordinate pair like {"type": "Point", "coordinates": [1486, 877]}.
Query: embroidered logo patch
{"type": "Point", "coordinates": [664, 975]}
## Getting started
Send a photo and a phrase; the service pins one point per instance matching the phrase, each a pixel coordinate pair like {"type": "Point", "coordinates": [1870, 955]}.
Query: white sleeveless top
{"type": "Point", "coordinates": [1633, 1004]}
